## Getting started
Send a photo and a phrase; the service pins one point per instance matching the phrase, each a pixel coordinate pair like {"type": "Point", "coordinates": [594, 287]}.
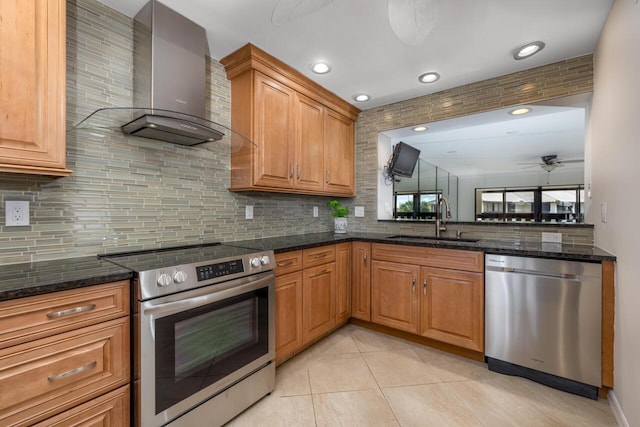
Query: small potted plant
{"type": "Point", "coordinates": [340, 213]}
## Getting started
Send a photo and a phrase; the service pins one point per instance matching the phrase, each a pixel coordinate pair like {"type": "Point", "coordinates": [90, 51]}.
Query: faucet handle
{"type": "Point", "coordinates": [458, 234]}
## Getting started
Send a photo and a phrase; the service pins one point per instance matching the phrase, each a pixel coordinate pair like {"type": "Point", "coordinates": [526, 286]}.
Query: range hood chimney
{"type": "Point", "coordinates": [169, 78]}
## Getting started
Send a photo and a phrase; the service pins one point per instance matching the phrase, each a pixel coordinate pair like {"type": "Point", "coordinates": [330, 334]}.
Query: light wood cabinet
{"type": "Point", "coordinates": [61, 350]}
{"type": "Point", "coordinates": [288, 315]}
{"type": "Point", "coordinates": [303, 134]}
{"type": "Point", "coordinates": [32, 70]}
{"type": "Point", "coordinates": [361, 281]}
{"type": "Point", "coordinates": [343, 282]}
{"type": "Point", "coordinates": [437, 293]}
{"type": "Point", "coordinates": [394, 300]}
{"type": "Point", "coordinates": [318, 301]}
{"type": "Point", "coordinates": [452, 307]}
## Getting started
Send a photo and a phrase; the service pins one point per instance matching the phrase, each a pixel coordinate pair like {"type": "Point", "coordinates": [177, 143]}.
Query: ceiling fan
{"type": "Point", "coordinates": [551, 162]}
{"type": "Point", "coordinates": [410, 20]}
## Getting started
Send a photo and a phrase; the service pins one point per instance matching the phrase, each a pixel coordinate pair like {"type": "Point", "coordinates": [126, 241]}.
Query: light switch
{"type": "Point", "coordinates": [603, 212]}
{"type": "Point", "coordinates": [315, 211]}
{"type": "Point", "coordinates": [248, 212]}
{"type": "Point", "coordinates": [359, 211]}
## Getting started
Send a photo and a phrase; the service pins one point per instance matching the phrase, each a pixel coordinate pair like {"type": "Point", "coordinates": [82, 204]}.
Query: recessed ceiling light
{"type": "Point", "coordinates": [519, 111]}
{"type": "Point", "coordinates": [527, 50]}
{"type": "Point", "coordinates": [361, 97]}
{"type": "Point", "coordinates": [320, 67]}
{"type": "Point", "coordinates": [419, 128]}
{"type": "Point", "coordinates": [429, 77]}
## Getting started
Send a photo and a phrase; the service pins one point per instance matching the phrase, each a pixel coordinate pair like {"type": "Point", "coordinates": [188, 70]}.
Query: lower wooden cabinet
{"type": "Point", "coordinates": [288, 315]}
{"type": "Point", "coordinates": [361, 280]}
{"type": "Point", "coordinates": [109, 410]}
{"type": "Point", "coordinates": [50, 375]}
{"type": "Point", "coordinates": [395, 302]}
{"type": "Point", "coordinates": [343, 282]}
{"type": "Point", "coordinates": [318, 301]}
{"type": "Point", "coordinates": [452, 307]}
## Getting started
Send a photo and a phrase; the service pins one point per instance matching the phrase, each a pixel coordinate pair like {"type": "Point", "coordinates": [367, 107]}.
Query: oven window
{"type": "Point", "coordinates": [201, 346]}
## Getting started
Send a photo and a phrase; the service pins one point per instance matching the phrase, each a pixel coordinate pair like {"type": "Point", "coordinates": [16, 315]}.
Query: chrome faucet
{"type": "Point", "coordinates": [439, 224]}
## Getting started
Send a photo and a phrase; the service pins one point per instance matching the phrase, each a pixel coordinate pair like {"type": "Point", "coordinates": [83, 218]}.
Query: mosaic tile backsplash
{"type": "Point", "coordinates": [130, 193]}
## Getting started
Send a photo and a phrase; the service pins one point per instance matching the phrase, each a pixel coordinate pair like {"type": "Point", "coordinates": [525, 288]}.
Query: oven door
{"type": "Point", "coordinates": [195, 344]}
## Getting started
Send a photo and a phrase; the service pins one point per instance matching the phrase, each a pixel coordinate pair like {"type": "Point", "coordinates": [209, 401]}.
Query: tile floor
{"type": "Point", "coordinates": [358, 377]}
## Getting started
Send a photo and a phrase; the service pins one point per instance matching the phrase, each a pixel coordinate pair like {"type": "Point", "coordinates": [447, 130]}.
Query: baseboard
{"type": "Point", "coordinates": [617, 410]}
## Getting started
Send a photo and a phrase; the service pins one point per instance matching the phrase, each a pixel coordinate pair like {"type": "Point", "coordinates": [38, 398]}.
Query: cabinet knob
{"type": "Point", "coordinates": [413, 285]}
{"type": "Point", "coordinates": [424, 286]}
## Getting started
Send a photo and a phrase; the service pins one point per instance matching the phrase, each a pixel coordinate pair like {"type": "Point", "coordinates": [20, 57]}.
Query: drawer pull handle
{"type": "Point", "coordinates": [424, 286]}
{"type": "Point", "coordinates": [319, 272]}
{"type": "Point", "coordinates": [284, 263]}
{"type": "Point", "coordinates": [413, 285]}
{"type": "Point", "coordinates": [71, 311]}
{"type": "Point", "coordinates": [320, 256]}
{"type": "Point", "coordinates": [73, 371]}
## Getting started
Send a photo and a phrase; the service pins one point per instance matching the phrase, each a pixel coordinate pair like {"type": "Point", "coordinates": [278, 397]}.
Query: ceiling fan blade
{"type": "Point", "coordinates": [287, 11]}
{"type": "Point", "coordinates": [572, 161]}
{"type": "Point", "coordinates": [413, 20]}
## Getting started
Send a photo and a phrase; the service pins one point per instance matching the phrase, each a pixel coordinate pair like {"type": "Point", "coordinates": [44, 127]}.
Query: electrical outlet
{"type": "Point", "coordinates": [16, 213]}
{"type": "Point", "coordinates": [248, 212]}
{"type": "Point", "coordinates": [552, 237]}
{"type": "Point", "coordinates": [603, 212]}
{"type": "Point", "coordinates": [359, 211]}
{"type": "Point", "coordinates": [315, 211]}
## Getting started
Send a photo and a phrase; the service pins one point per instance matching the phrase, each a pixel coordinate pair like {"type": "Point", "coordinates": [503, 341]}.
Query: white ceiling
{"type": "Point", "coordinates": [496, 142]}
{"type": "Point", "coordinates": [471, 40]}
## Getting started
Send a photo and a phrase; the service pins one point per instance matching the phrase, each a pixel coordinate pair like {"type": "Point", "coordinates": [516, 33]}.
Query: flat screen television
{"type": "Point", "coordinates": [403, 160]}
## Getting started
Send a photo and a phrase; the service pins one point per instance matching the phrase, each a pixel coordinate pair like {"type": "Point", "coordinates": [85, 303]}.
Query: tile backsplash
{"type": "Point", "coordinates": [131, 193]}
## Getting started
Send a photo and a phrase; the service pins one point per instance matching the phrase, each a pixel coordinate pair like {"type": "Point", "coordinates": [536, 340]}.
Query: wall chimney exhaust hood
{"type": "Point", "coordinates": [169, 79]}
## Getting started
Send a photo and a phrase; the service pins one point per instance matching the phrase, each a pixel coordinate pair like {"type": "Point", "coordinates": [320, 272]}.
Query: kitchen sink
{"type": "Point", "coordinates": [432, 239]}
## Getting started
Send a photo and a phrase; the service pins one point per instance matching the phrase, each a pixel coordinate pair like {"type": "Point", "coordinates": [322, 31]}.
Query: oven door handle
{"type": "Point", "coordinates": [207, 296]}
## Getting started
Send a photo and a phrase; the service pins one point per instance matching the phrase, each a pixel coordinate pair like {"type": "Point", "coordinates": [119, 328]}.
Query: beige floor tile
{"type": "Point", "coordinates": [450, 367]}
{"type": "Point", "coordinates": [399, 368]}
{"type": "Point", "coordinates": [276, 411]}
{"type": "Point", "coordinates": [368, 341]}
{"type": "Point", "coordinates": [353, 408]}
{"type": "Point", "coordinates": [429, 405]}
{"type": "Point", "coordinates": [338, 342]}
{"type": "Point", "coordinates": [569, 409]}
{"type": "Point", "coordinates": [292, 377]}
{"type": "Point", "coordinates": [501, 401]}
{"type": "Point", "coordinates": [344, 372]}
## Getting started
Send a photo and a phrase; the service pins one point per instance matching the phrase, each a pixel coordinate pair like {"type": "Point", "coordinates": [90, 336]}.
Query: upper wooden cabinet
{"type": "Point", "coordinates": [303, 134]}
{"type": "Point", "coordinates": [33, 87]}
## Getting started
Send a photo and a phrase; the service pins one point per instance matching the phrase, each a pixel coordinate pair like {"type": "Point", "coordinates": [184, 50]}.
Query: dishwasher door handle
{"type": "Point", "coordinates": [534, 273]}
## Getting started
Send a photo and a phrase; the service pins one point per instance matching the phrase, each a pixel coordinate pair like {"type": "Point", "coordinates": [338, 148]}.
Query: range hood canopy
{"type": "Point", "coordinates": [169, 83]}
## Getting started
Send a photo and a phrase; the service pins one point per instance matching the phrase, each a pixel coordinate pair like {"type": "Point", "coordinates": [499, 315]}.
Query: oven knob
{"type": "Point", "coordinates": [264, 260]}
{"type": "Point", "coordinates": [164, 279]}
{"type": "Point", "coordinates": [255, 262]}
{"type": "Point", "coordinates": [179, 276]}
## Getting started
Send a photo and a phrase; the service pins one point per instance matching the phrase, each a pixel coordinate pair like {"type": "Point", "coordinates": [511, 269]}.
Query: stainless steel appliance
{"type": "Point", "coordinates": [543, 321]}
{"type": "Point", "coordinates": [204, 333]}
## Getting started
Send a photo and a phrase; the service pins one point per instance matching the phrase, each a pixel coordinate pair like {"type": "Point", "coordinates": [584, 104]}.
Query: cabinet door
{"type": "Point", "coordinates": [318, 301]}
{"type": "Point", "coordinates": [338, 154]}
{"type": "Point", "coordinates": [361, 281]}
{"type": "Point", "coordinates": [274, 133]}
{"type": "Point", "coordinates": [309, 145]}
{"type": "Point", "coordinates": [32, 72]}
{"type": "Point", "coordinates": [453, 307]}
{"type": "Point", "coordinates": [343, 282]}
{"type": "Point", "coordinates": [288, 315]}
{"type": "Point", "coordinates": [395, 301]}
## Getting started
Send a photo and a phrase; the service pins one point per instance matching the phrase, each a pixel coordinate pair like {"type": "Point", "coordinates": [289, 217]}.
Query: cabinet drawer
{"type": "Point", "coordinates": [109, 410]}
{"type": "Point", "coordinates": [30, 318]}
{"type": "Point", "coordinates": [318, 256]}
{"type": "Point", "coordinates": [50, 375]}
{"type": "Point", "coordinates": [288, 262]}
{"type": "Point", "coordinates": [452, 259]}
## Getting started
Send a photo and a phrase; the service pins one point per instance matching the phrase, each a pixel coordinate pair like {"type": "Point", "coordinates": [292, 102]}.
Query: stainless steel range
{"type": "Point", "coordinates": [204, 333]}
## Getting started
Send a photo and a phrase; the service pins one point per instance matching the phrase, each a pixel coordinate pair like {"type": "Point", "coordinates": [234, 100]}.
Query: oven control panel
{"type": "Point", "coordinates": [212, 271]}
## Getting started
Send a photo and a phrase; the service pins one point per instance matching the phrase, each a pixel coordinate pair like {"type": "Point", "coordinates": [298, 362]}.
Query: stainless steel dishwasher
{"type": "Point", "coordinates": [543, 321]}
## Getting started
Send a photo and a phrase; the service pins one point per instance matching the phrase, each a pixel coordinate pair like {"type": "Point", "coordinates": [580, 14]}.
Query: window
{"type": "Point", "coordinates": [540, 204]}
{"type": "Point", "coordinates": [416, 205]}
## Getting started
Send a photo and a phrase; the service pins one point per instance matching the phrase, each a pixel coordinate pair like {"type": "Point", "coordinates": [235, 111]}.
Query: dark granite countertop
{"type": "Point", "coordinates": [21, 280]}
{"type": "Point", "coordinates": [531, 249]}
{"type": "Point", "coordinates": [34, 278]}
